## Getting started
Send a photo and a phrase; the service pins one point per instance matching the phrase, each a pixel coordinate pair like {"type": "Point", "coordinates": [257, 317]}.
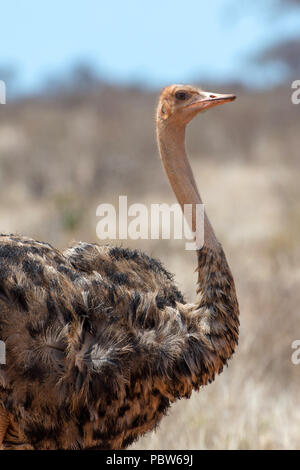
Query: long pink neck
{"type": "Point", "coordinates": [216, 307]}
{"type": "Point", "coordinates": [171, 142]}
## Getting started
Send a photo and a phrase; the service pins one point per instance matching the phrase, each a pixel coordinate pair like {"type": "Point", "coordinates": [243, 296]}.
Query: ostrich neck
{"type": "Point", "coordinates": [171, 142]}
{"type": "Point", "coordinates": [217, 303]}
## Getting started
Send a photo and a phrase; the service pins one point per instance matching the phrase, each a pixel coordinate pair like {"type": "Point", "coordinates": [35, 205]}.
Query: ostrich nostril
{"type": "Point", "coordinates": [212, 96]}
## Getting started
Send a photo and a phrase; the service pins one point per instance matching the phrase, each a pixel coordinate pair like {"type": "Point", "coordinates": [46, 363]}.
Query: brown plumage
{"type": "Point", "coordinates": [99, 341]}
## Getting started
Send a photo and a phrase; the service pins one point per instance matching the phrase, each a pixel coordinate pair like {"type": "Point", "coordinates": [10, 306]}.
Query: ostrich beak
{"type": "Point", "coordinates": [208, 100]}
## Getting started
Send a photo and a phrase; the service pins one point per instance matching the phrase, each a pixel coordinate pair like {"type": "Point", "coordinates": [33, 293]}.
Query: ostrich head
{"type": "Point", "coordinates": [181, 103]}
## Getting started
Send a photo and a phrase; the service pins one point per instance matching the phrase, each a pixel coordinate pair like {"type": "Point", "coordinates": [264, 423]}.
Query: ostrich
{"type": "Point", "coordinates": [99, 340]}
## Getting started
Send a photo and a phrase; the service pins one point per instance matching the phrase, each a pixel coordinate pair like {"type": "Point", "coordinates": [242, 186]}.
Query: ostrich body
{"type": "Point", "coordinates": [99, 341]}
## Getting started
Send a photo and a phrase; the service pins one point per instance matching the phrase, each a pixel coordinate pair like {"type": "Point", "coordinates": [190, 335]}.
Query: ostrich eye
{"type": "Point", "coordinates": [181, 95]}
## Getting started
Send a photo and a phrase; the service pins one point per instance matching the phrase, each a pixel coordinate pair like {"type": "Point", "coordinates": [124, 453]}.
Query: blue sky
{"type": "Point", "coordinates": [152, 42]}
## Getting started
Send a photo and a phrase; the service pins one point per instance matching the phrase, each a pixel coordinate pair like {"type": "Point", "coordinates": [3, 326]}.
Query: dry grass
{"type": "Point", "coordinates": [60, 158]}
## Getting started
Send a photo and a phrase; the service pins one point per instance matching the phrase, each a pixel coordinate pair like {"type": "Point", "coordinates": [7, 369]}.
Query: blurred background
{"type": "Point", "coordinates": [78, 130]}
